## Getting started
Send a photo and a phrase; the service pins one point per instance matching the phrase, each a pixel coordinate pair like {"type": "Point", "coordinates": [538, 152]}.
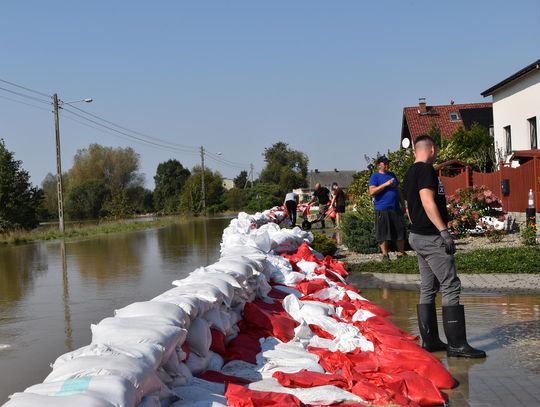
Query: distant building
{"type": "Point", "coordinates": [228, 183]}
{"type": "Point", "coordinates": [344, 178]}
{"type": "Point", "coordinates": [418, 120]}
{"type": "Point", "coordinates": [516, 110]}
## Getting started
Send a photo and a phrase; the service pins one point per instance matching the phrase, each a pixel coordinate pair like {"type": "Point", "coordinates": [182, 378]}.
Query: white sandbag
{"type": "Point", "coordinates": [200, 391]}
{"type": "Point", "coordinates": [263, 288]}
{"type": "Point", "coordinates": [216, 362]}
{"type": "Point", "coordinates": [219, 319]}
{"type": "Point", "coordinates": [226, 289]}
{"type": "Point", "coordinates": [151, 400]}
{"type": "Point", "coordinates": [183, 377]}
{"type": "Point", "coordinates": [140, 374]}
{"type": "Point", "coordinates": [161, 310]}
{"type": "Point", "coordinates": [35, 400]}
{"type": "Point", "coordinates": [199, 337]}
{"type": "Point", "coordinates": [117, 390]}
{"type": "Point", "coordinates": [150, 353]}
{"type": "Point", "coordinates": [121, 331]}
{"type": "Point", "coordinates": [194, 305]}
{"type": "Point", "coordinates": [233, 267]}
{"type": "Point", "coordinates": [318, 395]}
{"type": "Point", "coordinates": [198, 364]}
{"type": "Point", "coordinates": [200, 290]}
{"type": "Point", "coordinates": [362, 315]}
{"type": "Point", "coordinates": [205, 272]}
{"type": "Point", "coordinates": [242, 369]}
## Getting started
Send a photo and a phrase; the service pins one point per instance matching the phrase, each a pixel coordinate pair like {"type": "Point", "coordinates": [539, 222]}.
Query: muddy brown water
{"type": "Point", "coordinates": [51, 292]}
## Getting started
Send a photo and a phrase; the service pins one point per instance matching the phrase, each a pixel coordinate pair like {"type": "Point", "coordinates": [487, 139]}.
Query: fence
{"type": "Point", "coordinates": [519, 181]}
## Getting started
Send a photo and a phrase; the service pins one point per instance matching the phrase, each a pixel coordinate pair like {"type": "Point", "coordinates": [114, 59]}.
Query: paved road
{"type": "Point", "coordinates": [499, 283]}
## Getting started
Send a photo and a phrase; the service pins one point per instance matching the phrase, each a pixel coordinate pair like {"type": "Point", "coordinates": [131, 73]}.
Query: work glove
{"type": "Point", "coordinates": [449, 244]}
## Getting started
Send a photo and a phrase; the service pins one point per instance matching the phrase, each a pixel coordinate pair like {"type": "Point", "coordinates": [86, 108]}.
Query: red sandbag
{"type": "Point", "coordinates": [238, 396]}
{"type": "Point", "coordinates": [277, 324]}
{"type": "Point", "coordinates": [317, 330]}
{"type": "Point", "coordinates": [305, 379]}
{"type": "Point", "coordinates": [335, 265]}
{"type": "Point", "coordinates": [218, 377]}
{"type": "Point", "coordinates": [243, 347]}
{"type": "Point", "coordinates": [307, 287]}
{"type": "Point", "coordinates": [218, 342]}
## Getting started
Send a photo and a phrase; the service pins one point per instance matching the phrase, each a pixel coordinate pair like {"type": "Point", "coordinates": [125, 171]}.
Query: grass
{"type": "Point", "coordinates": [507, 260]}
{"type": "Point", "coordinates": [22, 236]}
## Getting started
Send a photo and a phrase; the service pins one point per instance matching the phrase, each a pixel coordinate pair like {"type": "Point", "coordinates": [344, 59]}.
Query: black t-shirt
{"type": "Point", "coordinates": [419, 176]}
{"type": "Point", "coordinates": [322, 195]}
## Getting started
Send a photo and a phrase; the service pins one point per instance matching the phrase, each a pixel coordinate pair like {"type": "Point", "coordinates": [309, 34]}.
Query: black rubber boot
{"type": "Point", "coordinates": [456, 333]}
{"type": "Point", "coordinates": [429, 330]}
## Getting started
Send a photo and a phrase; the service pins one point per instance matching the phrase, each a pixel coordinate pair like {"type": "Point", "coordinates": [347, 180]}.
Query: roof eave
{"type": "Point", "coordinates": [535, 65]}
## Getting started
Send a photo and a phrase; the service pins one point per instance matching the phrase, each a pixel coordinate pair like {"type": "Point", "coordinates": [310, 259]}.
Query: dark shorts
{"type": "Point", "coordinates": [389, 225]}
{"type": "Point", "coordinates": [340, 208]}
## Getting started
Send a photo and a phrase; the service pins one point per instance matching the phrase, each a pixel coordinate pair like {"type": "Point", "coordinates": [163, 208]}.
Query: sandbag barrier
{"type": "Point", "coordinates": [270, 323]}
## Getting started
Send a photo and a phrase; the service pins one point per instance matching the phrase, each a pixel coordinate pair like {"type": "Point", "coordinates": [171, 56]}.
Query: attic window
{"type": "Point", "coordinates": [454, 117]}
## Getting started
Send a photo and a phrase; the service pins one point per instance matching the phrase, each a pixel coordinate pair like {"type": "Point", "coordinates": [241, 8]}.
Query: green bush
{"type": "Point", "coordinates": [359, 233]}
{"type": "Point", "coordinates": [323, 244]}
{"type": "Point", "coordinates": [528, 234]}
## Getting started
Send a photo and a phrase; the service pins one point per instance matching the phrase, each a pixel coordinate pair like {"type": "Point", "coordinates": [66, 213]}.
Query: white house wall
{"type": "Point", "coordinates": [512, 106]}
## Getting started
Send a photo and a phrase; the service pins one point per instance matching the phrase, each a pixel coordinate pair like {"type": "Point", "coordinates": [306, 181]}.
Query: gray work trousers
{"type": "Point", "coordinates": [437, 270]}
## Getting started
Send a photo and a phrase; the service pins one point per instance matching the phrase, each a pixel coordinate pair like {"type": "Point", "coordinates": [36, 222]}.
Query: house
{"type": "Point", "coordinates": [516, 110]}
{"type": "Point", "coordinates": [419, 120]}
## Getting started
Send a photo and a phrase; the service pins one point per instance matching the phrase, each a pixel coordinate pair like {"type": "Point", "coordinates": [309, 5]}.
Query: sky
{"type": "Point", "coordinates": [330, 78]}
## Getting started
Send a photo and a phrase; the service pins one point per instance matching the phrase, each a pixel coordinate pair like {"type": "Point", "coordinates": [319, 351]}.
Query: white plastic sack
{"type": "Point", "coordinates": [201, 391]}
{"type": "Point", "coordinates": [34, 400]}
{"type": "Point", "coordinates": [117, 390]}
{"type": "Point", "coordinates": [226, 289]}
{"type": "Point", "coordinates": [199, 337]}
{"type": "Point", "coordinates": [122, 331]}
{"type": "Point", "coordinates": [161, 310]}
{"type": "Point", "coordinates": [198, 364]}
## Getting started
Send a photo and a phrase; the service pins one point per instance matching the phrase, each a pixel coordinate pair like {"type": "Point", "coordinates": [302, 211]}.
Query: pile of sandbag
{"type": "Point", "coordinates": [272, 322]}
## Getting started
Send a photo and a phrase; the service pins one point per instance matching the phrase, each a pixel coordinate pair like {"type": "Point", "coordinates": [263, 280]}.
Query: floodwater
{"type": "Point", "coordinates": [51, 292]}
{"type": "Point", "coordinates": [507, 327]}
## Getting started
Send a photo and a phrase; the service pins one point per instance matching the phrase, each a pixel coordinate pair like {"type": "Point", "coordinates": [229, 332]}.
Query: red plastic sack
{"type": "Point", "coordinates": [305, 379]}
{"type": "Point", "coordinates": [307, 287]}
{"type": "Point", "coordinates": [218, 342]}
{"type": "Point", "coordinates": [238, 396]}
{"type": "Point", "coordinates": [273, 322]}
{"type": "Point", "coordinates": [218, 377]}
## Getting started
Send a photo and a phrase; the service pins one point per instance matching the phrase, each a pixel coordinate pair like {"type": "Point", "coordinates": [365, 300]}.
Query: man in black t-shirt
{"type": "Point", "coordinates": [435, 248]}
{"type": "Point", "coordinates": [321, 194]}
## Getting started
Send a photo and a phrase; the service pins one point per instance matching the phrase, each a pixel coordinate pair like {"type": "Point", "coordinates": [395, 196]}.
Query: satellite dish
{"type": "Point", "coordinates": [405, 143]}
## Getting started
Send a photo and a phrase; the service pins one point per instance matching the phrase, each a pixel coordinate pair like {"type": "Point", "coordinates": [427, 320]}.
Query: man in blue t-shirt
{"type": "Point", "coordinates": [383, 187]}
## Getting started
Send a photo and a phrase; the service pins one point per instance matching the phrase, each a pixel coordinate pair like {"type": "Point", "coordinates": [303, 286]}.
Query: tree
{"type": "Point", "coordinates": [116, 168]}
{"type": "Point", "coordinates": [241, 179]}
{"type": "Point", "coordinates": [19, 200]}
{"type": "Point", "coordinates": [474, 147]}
{"type": "Point", "coordinates": [87, 200]}
{"type": "Point", "coordinates": [50, 196]}
{"type": "Point", "coordinates": [284, 167]}
{"type": "Point", "coordinates": [191, 197]}
{"type": "Point", "coordinates": [170, 178]}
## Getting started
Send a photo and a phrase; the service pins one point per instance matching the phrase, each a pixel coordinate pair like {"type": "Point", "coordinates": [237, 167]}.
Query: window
{"type": "Point", "coordinates": [454, 117]}
{"type": "Point", "coordinates": [508, 136]}
{"type": "Point", "coordinates": [533, 133]}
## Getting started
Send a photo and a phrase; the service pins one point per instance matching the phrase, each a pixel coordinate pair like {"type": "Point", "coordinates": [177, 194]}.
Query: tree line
{"type": "Point", "coordinates": [106, 183]}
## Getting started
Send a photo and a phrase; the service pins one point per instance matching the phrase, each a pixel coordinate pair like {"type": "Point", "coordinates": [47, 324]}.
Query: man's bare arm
{"type": "Point", "coordinates": [427, 196]}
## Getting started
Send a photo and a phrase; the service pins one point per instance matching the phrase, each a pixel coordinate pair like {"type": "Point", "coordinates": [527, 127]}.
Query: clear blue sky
{"type": "Point", "coordinates": [328, 77]}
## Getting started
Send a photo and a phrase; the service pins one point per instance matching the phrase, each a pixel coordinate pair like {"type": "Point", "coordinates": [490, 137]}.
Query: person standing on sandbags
{"type": "Point", "coordinates": [291, 203]}
{"type": "Point", "coordinates": [435, 248]}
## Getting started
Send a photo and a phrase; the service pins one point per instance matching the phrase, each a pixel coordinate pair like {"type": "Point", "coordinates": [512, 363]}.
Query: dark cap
{"type": "Point", "coordinates": [382, 159]}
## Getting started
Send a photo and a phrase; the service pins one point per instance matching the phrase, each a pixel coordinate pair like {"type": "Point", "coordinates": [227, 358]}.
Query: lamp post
{"type": "Point", "coordinates": [57, 104]}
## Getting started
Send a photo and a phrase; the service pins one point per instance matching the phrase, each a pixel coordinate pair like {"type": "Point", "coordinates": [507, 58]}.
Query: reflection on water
{"type": "Point", "coordinates": [51, 292]}
{"type": "Point", "coordinates": [507, 327]}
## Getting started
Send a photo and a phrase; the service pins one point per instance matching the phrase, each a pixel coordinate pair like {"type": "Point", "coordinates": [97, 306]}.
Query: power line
{"type": "Point", "coordinates": [133, 131]}
{"type": "Point", "coordinates": [28, 89]}
{"type": "Point", "coordinates": [25, 96]}
{"type": "Point", "coordinates": [24, 103]}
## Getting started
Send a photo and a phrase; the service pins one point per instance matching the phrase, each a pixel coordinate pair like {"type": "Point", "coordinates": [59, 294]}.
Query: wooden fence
{"type": "Point", "coordinates": [519, 180]}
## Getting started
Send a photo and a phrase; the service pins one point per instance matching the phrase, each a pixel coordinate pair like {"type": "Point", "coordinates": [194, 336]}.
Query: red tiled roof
{"type": "Point", "coordinates": [419, 124]}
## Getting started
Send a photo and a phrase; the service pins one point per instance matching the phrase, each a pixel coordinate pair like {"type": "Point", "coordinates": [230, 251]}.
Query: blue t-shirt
{"type": "Point", "coordinates": [388, 198]}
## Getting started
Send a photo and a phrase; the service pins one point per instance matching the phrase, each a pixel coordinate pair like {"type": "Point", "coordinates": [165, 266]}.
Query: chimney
{"type": "Point", "coordinates": [422, 106]}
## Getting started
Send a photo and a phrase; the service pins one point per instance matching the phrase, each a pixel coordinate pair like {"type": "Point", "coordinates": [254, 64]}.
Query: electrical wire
{"type": "Point", "coordinates": [28, 89]}
{"type": "Point", "coordinates": [26, 96]}
{"type": "Point", "coordinates": [133, 131]}
{"type": "Point", "coordinates": [24, 103]}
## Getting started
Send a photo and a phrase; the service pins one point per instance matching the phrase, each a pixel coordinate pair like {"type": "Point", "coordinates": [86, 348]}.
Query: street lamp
{"type": "Point", "coordinates": [57, 103]}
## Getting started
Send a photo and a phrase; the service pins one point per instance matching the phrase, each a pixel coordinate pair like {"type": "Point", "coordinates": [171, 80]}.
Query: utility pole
{"type": "Point", "coordinates": [203, 194]}
{"type": "Point", "coordinates": [250, 175]}
{"type": "Point", "coordinates": [59, 187]}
